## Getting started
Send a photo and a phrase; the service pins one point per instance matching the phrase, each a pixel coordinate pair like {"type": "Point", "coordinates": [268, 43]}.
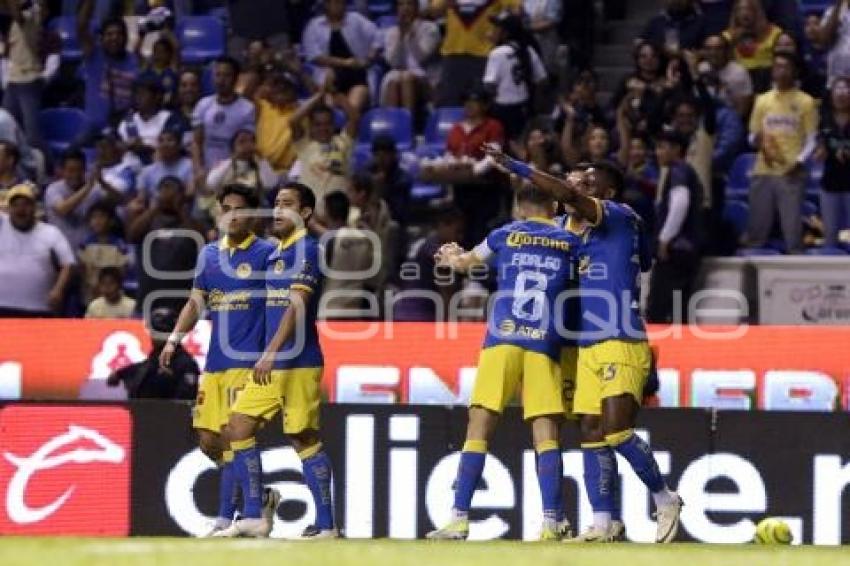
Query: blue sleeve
{"type": "Point", "coordinates": [491, 245]}
{"type": "Point", "coordinates": [728, 138]}
{"type": "Point", "coordinates": [201, 280]}
{"type": "Point", "coordinates": [309, 276]}
{"type": "Point", "coordinates": [644, 247]}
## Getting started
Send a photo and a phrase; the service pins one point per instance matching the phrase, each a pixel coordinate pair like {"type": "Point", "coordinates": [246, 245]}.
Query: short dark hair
{"type": "Point", "coordinates": [788, 57]}
{"type": "Point", "coordinates": [306, 196]}
{"type": "Point", "coordinates": [103, 208]}
{"type": "Point", "coordinates": [362, 181]}
{"type": "Point", "coordinates": [228, 60]}
{"type": "Point", "coordinates": [73, 154]}
{"type": "Point", "coordinates": [612, 173]}
{"type": "Point", "coordinates": [322, 109]}
{"type": "Point", "coordinates": [114, 22]}
{"type": "Point", "coordinates": [337, 206]}
{"type": "Point", "coordinates": [244, 191]}
{"type": "Point", "coordinates": [12, 150]}
{"type": "Point", "coordinates": [112, 272]}
{"type": "Point", "coordinates": [172, 180]}
{"type": "Point", "coordinates": [532, 194]}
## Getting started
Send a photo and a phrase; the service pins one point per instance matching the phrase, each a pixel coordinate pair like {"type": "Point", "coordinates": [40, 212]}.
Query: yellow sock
{"type": "Point", "coordinates": [479, 446]}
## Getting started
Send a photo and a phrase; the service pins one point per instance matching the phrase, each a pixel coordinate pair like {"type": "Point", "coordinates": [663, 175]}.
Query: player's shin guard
{"type": "Point", "coordinates": [469, 473]}
{"type": "Point", "coordinates": [248, 469]}
{"type": "Point", "coordinates": [600, 468]}
{"type": "Point", "coordinates": [317, 475]}
{"type": "Point", "coordinates": [550, 473]}
{"type": "Point", "coordinates": [228, 488]}
{"type": "Point", "coordinates": [638, 453]}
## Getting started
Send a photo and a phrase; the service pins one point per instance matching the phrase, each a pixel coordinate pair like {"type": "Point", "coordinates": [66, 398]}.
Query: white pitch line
{"type": "Point", "coordinates": [146, 547]}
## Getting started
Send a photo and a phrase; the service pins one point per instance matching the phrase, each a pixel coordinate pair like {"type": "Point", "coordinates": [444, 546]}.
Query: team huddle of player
{"type": "Point", "coordinates": [563, 328]}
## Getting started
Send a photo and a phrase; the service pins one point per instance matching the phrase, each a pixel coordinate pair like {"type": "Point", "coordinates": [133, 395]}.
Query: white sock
{"type": "Point", "coordinates": [459, 514]}
{"type": "Point", "coordinates": [222, 522]}
{"type": "Point", "coordinates": [602, 520]}
{"type": "Point", "coordinates": [664, 497]}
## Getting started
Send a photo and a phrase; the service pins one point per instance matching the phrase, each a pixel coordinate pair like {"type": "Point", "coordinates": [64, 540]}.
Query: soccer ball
{"type": "Point", "coordinates": [773, 531]}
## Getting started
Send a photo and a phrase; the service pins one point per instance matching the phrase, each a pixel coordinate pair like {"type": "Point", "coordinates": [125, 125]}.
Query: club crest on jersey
{"type": "Point", "coordinates": [610, 372]}
{"type": "Point", "coordinates": [279, 266]}
{"type": "Point", "coordinates": [507, 327]}
{"type": "Point", "coordinates": [243, 271]}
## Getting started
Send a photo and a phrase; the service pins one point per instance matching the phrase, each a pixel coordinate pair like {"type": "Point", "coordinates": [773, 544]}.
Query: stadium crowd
{"type": "Point", "coordinates": [122, 119]}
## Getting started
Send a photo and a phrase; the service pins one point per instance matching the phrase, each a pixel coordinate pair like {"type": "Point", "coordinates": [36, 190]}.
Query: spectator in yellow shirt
{"type": "Point", "coordinates": [783, 128]}
{"type": "Point", "coordinates": [323, 155]}
{"type": "Point", "coordinates": [468, 41]}
{"type": "Point", "coordinates": [752, 37]}
{"type": "Point", "coordinates": [277, 103]}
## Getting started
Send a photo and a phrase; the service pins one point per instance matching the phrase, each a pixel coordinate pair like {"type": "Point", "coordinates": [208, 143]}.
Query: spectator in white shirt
{"type": "Point", "coordinates": [169, 161]}
{"type": "Point", "coordinates": [68, 200]}
{"type": "Point", "coordinates": [512, 72]}
{"type": "Point", "coordinates": [835, 32]}
{"type": "Point", "coordinates": [343, 43]}
{"type": "Point", "coordinates": [244, 167]}
{"type": "Point", "coordinates": [409, 48]}
{"type": "Point", "coordinates": [36, 260]}
{"type": "Point", "coordinates": [734, 84]}
{"type": "Point", "coordinates": [140, 130]}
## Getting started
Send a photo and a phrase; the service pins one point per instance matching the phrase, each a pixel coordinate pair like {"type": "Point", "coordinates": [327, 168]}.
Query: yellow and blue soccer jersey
{"type": "Point", "coordinates": [294, 265]}
{"type": "Point", "coordinates": [610, 294]}
{"type": "Point", "coordinates": [536, 265]}
{"type": "Point", "coordinates": [233, 281]}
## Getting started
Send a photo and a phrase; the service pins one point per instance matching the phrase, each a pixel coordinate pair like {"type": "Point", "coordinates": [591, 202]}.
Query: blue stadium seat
{"type": "Point", "coordinates": [395, 122]}
{"type": "Point", "coordinates": [379, 8]}
{"type": "Point", "coordinates": [201, 38]}
{"type": "Point", "coordinates": [66, 28]}
{"type": "Point", "coordinates": [437, 128]}
{"type": "Point", "coordinates": [422, 191]}
{"type": "Point", "coordinates": [61, 126]}
{"type": "Point", "coordinates": [813, 181]}
{"type": "Point", "coordinates": [738, 185]}
{"type": "Point", "coordinates": [737, 214]}
{"type": "Point", "coordinates": [826, 251]}
{"type": "Point", "coordinates": [810, 209]}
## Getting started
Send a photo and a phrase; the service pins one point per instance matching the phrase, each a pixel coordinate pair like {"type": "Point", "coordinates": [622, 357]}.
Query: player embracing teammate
{"type": "Point", "coordinates": [264, 357]}
{"type": "Point", "coordinates": [612, 360]}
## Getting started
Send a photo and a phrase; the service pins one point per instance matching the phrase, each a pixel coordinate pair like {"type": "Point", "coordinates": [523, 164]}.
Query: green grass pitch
{"type": "Point", "coordinates": [188, 552]}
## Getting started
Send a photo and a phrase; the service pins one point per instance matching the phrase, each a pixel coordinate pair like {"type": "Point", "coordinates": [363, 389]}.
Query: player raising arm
{"type": "Point", "coordinates": [613, 359]}
{"type": "Point", "coordinates": [229, 282]}
{"type": "Point", "coordinates": [535, 264]}
{"type": "Point", "coordinates": [288, 375]}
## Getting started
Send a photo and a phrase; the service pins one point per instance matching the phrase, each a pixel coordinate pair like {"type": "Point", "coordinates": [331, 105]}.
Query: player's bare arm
{"type": "Point", "coordinates": [568, 191]}
{"type": "Point", "coordinates": [456, 258]}
{"type": "Point", "coordinates": [294, 315]}
{"type": "Point", "coordinates": [189, 316]}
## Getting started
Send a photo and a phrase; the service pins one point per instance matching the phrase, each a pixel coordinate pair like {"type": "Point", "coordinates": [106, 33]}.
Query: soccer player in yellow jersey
{"type": "Point", "coordinates": [783, 127]}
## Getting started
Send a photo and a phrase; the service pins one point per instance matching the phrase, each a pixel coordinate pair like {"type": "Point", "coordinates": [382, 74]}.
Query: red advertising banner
{"type": "Point", "coordinates": [65, 470]}
{"type": "Point", "coordinates": [767, 367]}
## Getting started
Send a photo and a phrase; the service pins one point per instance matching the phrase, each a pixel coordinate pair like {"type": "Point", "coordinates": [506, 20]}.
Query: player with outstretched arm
{"type": "Point", "coordinates": [613, 358]}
